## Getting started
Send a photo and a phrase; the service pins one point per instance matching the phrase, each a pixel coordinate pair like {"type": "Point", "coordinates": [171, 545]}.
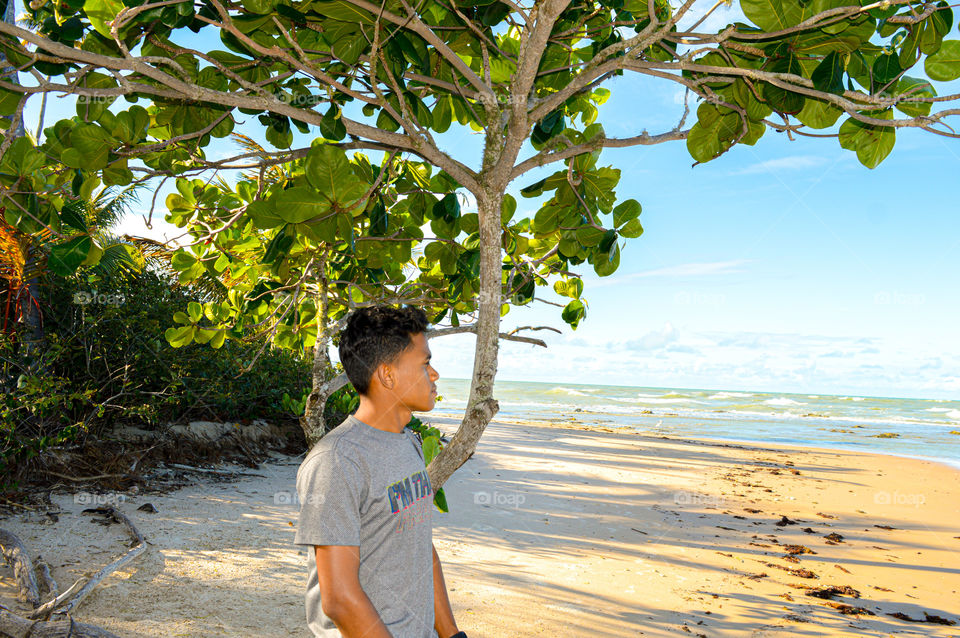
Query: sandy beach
{"type": "Point", "coordinates": [567, 530]}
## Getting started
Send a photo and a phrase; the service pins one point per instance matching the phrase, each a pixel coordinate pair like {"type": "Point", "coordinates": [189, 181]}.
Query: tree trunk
{"type": "Point", "coordinates": [312, 422]}
{"type": "Point", "coordinates": [481, 406]}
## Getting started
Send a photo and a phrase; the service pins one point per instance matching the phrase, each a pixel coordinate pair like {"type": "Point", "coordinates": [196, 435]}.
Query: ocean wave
{"type": "Point", "coordinates": [857, 399]}
{"type": "Point", "coordinates": [569, 391]}
{"type": "Point", "coordinates": [783, 401]}
{"type": "Point", "coordinates": [646, 400]}
{"type": "Point", "coordinates": [730, 395]}
{"type": "Point", "coordinates": [952, 413]}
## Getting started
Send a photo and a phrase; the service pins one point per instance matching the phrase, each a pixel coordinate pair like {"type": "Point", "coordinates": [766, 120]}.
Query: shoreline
{"type": "Point", "coordinates": [953, 464]}
{"type": "Point", "coordinates": [564, 529]}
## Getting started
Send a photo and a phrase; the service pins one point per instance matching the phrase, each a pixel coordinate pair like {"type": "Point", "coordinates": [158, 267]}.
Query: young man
{"type": "Point", "coordinates": [365, 496]}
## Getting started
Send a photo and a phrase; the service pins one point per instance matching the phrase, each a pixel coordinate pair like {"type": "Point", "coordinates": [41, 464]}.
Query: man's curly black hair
{"type": "Point", "coordinates": [375, 335]}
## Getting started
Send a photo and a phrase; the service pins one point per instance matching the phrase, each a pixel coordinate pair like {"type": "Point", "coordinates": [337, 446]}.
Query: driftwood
{"type": "Point", "coordinates": [138, 547]}
{"type": "Point", "coordinates": [13, 626]}
{"type": "Point", "coordinates": [43, 611]}
{"type": "Point", "coordinates": [211, 470]}
{"type": "Point", "coordinates": [47, 583]}
{"type": "Point", "coordinates": [16, 555]}
{"type": "Point", "coordinates": [37, 625]}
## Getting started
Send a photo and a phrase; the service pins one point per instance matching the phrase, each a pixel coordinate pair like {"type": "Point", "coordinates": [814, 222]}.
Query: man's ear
{"type": "Point", "coordinates": [385, 375]}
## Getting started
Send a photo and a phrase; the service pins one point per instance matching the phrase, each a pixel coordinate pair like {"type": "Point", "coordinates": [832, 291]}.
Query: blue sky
{"type": "Point", "coordinates": [785, 267]}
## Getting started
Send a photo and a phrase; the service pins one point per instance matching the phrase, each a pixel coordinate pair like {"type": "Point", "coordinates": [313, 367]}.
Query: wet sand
{"type": "Point", "coordinates": [565, 530]}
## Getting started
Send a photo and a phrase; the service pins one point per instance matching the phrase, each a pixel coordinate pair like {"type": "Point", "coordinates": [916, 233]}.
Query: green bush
{"type": "Point", "coordinates": [104, 360]}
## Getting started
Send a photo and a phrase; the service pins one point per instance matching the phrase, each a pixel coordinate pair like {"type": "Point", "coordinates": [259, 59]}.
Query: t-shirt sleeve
{"type": "Point", "coordinates": [330, 489]}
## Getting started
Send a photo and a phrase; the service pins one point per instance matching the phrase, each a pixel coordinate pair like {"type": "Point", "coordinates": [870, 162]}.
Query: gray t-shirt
{"type": "Point", "coordinates": [362, 486]}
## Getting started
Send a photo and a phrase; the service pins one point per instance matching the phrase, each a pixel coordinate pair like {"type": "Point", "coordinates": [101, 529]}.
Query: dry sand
{"type": "Point", "coordinates": [561, 531]}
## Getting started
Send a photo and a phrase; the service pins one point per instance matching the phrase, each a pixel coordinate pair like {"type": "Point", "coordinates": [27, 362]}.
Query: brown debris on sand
{"type": "Point", "coordinates": [834, 590]}
{"type": "Point", "coordinates": [798, 549]}
{"type": "Point", "coordinates": [803, 573]}
{"type": "Point", "coordinates": [850, 610]}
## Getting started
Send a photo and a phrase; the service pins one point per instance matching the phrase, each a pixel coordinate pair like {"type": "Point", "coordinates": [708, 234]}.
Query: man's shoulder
{"type": "Point", "coordinates": [337, 442]}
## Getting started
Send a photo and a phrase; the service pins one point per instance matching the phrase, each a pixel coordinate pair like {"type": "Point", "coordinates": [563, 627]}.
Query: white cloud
{"type": "Point", "coordinates": [793, 162]}
{"type": "Point", "coordinates": [673, 356]}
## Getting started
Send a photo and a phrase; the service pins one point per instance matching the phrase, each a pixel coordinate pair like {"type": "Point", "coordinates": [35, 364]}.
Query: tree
{"type": "Point", "coordinates": [296, 246]}
{"type": "Point", "coordinates": [392, 76]}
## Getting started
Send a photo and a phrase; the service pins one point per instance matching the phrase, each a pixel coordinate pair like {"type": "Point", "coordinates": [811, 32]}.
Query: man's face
{"type": "Point", "coordinates": [415, 378]}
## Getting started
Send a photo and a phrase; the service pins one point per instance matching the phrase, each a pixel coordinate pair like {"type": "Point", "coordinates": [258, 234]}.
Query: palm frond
{"type": "Point", "coordinates": [12, 255]}
{"type": "Point", "coordinates": [109, 207]}
{"type": "Point", "coordinates": [272, 174]}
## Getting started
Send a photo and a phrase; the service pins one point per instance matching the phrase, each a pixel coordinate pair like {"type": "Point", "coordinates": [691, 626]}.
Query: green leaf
{"type": "Point", "coordinates": [431, 447]}
{"type": "Point", "coordinates": [534, 190]}
{"type": "Point", "coordinates": [93, 143]}
{"type": "Point", "coordinates": [606, 264]}
{"type": "Point", "coordinates": [101, 13]}
{"type": "Point", "coordinates": [261, 7]}
{"type": "Point", "coordinates": [300, 203]}
{"type": "Point", "coordinates": [182, 260]}
{"type": "Point", "coordinates": [885, 68]}
{"type": "Point", "coordinates": [264, 215]}
{"type": "Point", "coordinates": [916, 88]}
{"type": "Point", "coordinates": [589, 235]}
{"type": "Point", "coordinates": [828, 76]}
{"type": "Point", "coordinates": [440, 499]}
{"type": "Point", "coordinates": [448, 208]}
{"type": "Point", "coordinates": [942, 18]}
{"type": "Point", "coordinates": [626, 211]}
{"type": "Point", "coordinates": [818, 114]}
{"type": "Point", "coordinates": [218, 339]}
{"type": "Point", "coordinates": [546, 220]}
{"type": "Point", "coordinates": [332, 126]}
{"type": "Point", "coordinates": [944, 65]}
{"type": "Point", "coordinates": [72, 214]}
{"type": "Point", "coordinates": [65, 258]}
{"type": "Point", "coordinates": [508, 207]}
{"type": "Point", "coordinates": [871, 143]}
{"type": "Point", "coordinates": [712, 134]}
{"type": "Point", "coordinates": [631, 230]}
{"type": "Point", "coordinates": [195, 310]}
{"type": "Point", "coordinates": [179, 337]}
{"type": "Point", "coordinates": [776, 15]}
{"type": "Point", "coordinates": [573, 313]}
{"type": "Point", "coordinates": [329, 171]}
{"type": "Point", "coordinates": [442, 114]}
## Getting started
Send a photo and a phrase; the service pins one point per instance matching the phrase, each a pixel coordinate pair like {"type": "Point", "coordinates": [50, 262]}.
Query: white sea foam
{"type": "Point", "coordinates": [646, 400]}
{"type": "Point", "coordinates": [783, 401]}
{"type": "Point", "coordinates": [950, 413]}
{"type": "Point", "coordinates": [571, 392]}
{"type": "Point", "coordinates": [730, 395]}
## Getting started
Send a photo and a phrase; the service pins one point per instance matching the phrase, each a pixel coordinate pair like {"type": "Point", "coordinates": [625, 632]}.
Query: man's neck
{"type": "Point", "coordinates": [391, 418]}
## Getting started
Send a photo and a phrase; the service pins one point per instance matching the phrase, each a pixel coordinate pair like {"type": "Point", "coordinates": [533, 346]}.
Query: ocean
{"type": "Point", "coordinates": [918, 428]}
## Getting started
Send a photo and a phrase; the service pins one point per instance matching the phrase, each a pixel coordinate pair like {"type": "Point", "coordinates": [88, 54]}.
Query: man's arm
{"type": "Point", "coordinates": [444, 623]}
{"type": "Point", "coordinates": [342, 598]}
